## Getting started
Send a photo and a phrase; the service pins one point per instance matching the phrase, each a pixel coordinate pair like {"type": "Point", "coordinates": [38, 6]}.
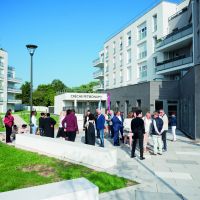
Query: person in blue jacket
{"type": "Point", "coordinates": [173, 123]}
{"type": "Point", "coordinates": [100, 125]}
{"type": "Point", "coordinates": [117, 125]}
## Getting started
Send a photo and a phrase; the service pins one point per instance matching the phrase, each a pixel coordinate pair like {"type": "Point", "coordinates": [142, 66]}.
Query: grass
{"type": "Point", "coordinates": [2, 127]}
{"type": "Point", "coordinates": [20, 169]}
{"type": "Point", "coordinates": [25, 115]}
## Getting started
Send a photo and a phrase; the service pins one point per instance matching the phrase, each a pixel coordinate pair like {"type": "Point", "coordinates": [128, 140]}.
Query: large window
{"type": "Point", "coordinates": [121, 76]}
{"type": "Point", "coordinates": [106, 52]}
{"type": "Point", "coordinates": [114, 63]}
{"type": "Point", "coordinates": [128, 56]}
{"type": "Point", "coordinates": [129, 38]}
{"type": "Point", "coordinates": [155, 23]}
{"type": "Point", "coordinates": [106, 80]}
{"type": "Point", "coordinates": [142, 68]}
{"type": "Point", "coordinates": [120, 44]}
{"type": "Point", "coordinates": [120, 60]}
{"type": "Point", "coordinates": [142, 31]}
{"type": "Point", "coordinates": [128, 73]}
{"type": "Point", "coordinates": [114, 48]}
{"type": "Point", "coordinates": [142, 50]}
{"type": "Point", "coordinates": [114, 78]}
{"type": "Point", "coordinates": [106, 66]}
{"type": "Point", "coordinates": [154, 43]}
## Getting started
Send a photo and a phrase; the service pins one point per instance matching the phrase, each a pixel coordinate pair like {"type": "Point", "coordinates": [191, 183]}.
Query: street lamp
{"type": "Point", "coordinates": [31, 49]}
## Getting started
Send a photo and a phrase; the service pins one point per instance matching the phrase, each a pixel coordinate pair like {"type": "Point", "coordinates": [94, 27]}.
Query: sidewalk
{"type": "Point", "coordinates": [171, 176]}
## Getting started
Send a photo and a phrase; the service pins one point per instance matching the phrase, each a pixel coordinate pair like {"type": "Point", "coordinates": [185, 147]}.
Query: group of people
{"type": "Point", "coordinates": [11, 128]}
{"type": "Point", "coordinates": [133, 128]}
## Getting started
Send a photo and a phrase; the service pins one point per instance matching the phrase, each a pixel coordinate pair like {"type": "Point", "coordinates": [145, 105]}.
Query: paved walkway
{"type": "Point", "coordinates": [174, 175]}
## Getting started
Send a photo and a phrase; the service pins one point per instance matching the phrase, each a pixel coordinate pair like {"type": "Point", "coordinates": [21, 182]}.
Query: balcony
{"type": "Point", "coordinates": [98, 63]}
{"type": "Point", "coordinates": [14, 90]}
{"type": "Point", "coordinates": [176, 38]}
{"type": "Point", "coordinates": [14, 79]}
{"type": "Point", "coordinates": [14, 101]}
{"type": "Point", "coordinates": [98, 74]}
{"type": "Point", "coordinates": [174, 64]}
{"type": "Point", "coordinates": [1, 100]}
{"type": "Point", "coordinates": [98, 87]}
{"type": "Point", "coordinates": [11, 68]}
{"type": "Point", "coordinates": [1, 65]}
{"type": "Point", "coordinates": [1, 76]}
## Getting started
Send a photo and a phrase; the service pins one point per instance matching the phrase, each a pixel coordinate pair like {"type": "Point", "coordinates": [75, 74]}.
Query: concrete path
{"type": "Point", "coordinates": [171, 176]}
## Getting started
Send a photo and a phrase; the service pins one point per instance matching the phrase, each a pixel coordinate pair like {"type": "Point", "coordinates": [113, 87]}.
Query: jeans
{"type": "Point", "coordinates": [164, 139]}
{"type": "Point", "coordinates": [34, 129]}
{"type": "Point", "coordinates": [157, 144]}
{"type": "Point", "coordinates": [116, 137]}
{"type": "Point", "coordinates": [174, 132]}
{"type": "Point", "coordinates": [101, 133]}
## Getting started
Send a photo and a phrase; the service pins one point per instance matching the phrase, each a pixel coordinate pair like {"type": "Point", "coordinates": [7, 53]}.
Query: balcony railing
{"type": "Point", "coordinates": [179, 33]}
{"type": "Point", "coordinates": [11, 68]}
{"type": "Point", "coordinates": [1, 76]}
{"type": "Point", "coordinates": [1, 99]}
{"type": "Point", "coordinates": [1, 65]}
{"type": "Point", "coordinates": [98, 87]}
{"type": "Point", "coordinates": [98, 74]}
{"type": "Point", "coordinates": [14, 90]}
{"type": "Point", "coordinates": [98, 62]}
{"type": "Point", "coordinates": [14, 101]}
{"type": "Point", "coordinates": [175, 62]}
{"type": "Point", "coordinates": [143, 74]}
{"type": "Point", "coordinates": [14, 79]}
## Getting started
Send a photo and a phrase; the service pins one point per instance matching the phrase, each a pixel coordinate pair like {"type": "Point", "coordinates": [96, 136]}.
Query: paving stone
{"type": "Point", "coordinates": [182, 162]}
{"type": "Point", "coordinates": [173, 175]}
{"type": "Point", "coordinates": [142, 195]}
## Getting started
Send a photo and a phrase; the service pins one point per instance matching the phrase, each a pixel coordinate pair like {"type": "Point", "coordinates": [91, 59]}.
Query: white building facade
{"type": "Point", "coordinates": [8, 82]}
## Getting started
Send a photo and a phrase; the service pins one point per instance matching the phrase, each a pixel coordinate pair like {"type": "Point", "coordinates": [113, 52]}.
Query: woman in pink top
{"type": "Point", "coordinates": [9, 122]}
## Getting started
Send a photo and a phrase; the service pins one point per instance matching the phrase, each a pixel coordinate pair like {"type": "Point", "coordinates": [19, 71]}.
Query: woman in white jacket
{"type": "Point", "coordinates": [33, 122]}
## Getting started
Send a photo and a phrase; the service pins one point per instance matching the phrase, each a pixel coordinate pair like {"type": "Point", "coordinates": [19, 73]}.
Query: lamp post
{"type": "Point", "coordinates": [31, 49]}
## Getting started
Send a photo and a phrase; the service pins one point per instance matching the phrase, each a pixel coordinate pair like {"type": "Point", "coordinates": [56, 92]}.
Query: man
{"type": "Point", "coordinates": [138, 130]}
{"type": "Point", "coordinates": [117, 125]}
{"type": "Point", "coordinates": [96, 116]}
{"type": "Point", "coordinates": [49, 124]}
{"type": "Point", "coordinates": [41, 123]}
{"type": "Point", "coordinates": [157, 131]}
{"type": "Point", "coordinates": [100, 124]}
{"type": "Point", "coordinates": [164, 117]}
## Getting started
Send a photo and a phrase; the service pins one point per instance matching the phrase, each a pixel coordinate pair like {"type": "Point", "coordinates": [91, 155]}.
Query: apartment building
{"type": "Point", "coordinates": [8, 84]}
{"type": "Point", "coordinates": [150, 63]}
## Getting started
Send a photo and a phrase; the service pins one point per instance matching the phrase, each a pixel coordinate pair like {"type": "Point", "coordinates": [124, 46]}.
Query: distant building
{"type": "Point", "coordinates": [8, 82]}
{"type": "Point", "coordinates": [153, 63]}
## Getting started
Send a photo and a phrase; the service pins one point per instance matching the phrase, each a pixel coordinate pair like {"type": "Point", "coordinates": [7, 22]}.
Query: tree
{"type": "Point", "coordinates": [25, 96]}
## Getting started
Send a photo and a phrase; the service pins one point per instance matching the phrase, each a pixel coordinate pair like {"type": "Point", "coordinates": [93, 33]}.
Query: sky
{"type": "Point", "coordinates": [69, 35]}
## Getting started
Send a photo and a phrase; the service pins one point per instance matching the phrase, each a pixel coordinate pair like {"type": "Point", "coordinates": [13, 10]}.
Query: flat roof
{"type": "Point", "coordinates": [138, 16]}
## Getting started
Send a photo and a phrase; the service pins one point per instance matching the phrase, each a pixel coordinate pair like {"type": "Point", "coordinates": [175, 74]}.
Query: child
{"type": "Point", "coordinates": [24, 129]}
{"type": "Point", "coordinates": [14, 132]}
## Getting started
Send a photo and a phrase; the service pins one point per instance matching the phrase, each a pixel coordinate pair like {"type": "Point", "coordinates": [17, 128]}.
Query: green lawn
{"type": "Point", "coordinates": [20, 169]}
{"type": "Point", "coordinates": [2, 128]}
{"type": "Point", "coordinates": [25, 115]}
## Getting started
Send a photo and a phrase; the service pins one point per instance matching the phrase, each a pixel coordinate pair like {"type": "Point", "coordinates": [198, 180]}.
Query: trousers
{"type": "Point", "coordinates": [140, 138]}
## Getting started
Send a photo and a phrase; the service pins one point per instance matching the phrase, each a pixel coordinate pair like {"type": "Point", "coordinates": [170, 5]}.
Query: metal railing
{"type": "Point", "coordinates": [14, 101]}
{"type": "Point", "coordinates": [98, 87]}
{"type": "Point", "coordinates": [98, 74]}
{"type": "Point", "coordinates": [13, 89]}
{"type": "Point", "coordinates": [175, 62]}
{"type": "Point", "coordinates": [179, 33]}
{"type": "Point", "coordinates": [97, 62]}
{"type": "Point", "coordinates": [15, 79]}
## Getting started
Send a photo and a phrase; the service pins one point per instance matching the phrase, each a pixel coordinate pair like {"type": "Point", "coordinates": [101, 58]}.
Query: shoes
{"type": "Point", "coordinates": [133, 156]}
{"type": "Point", "coordinates": [164, 150]}
{"type": "Point", "coordinates": [116, 144]}
{"type": "Point", "coordinates": [142, 158]}
{"type": "Point", "coordinates": [159, 153]}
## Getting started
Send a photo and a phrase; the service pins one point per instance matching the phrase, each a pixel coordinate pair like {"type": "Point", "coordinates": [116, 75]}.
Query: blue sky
{"type": "Point", "coordinates": [69, 35]}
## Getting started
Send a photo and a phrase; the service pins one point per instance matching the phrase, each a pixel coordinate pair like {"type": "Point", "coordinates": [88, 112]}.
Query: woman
{"type": "Point", "coordinates": [147, 125]}
{"type": "Point", "coordinates": [91, 130]}
{"type": "Point", "coordinates": [86, 120]}
{"type": "Point", "coordinates": [173, 123]}
{"type": "Point", "coordinates": [127, 129]}
{"type": "Point", "coordinates": [9, 122]}
{"type": "Point", "coordinates": [61, 128]}
{"type": "Point", "coordinates": [33, 122]}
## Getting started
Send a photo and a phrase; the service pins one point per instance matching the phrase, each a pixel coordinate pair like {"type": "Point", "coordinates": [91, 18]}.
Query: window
{"type": "Point", "coordinates": [114, 78]}
{"type": "Point", "coordinates": [121, 76]}
{"type": "Point", "coordinates": [142, 31]}
{"type": "Point", "coordinates": [114, 63]}
{"type": "Point", "coordinates": [106, 66]}
{"type": "Point", "coordinates": [142, 68]}
{"type": "Point", "coordinates": [155, 23]}
{"type": "Point", "coordinates": [129, 38]}
{"type": "Point", "coordinates": [114, 48]}
{"type": "Point", "coordinates": [120, 60]}
{"type": "Point", "coordinates": [107, 81]}
{"type": "Point", "coordinates": [128, 57]}
{"type": "Point", "coordinates": [120, 44]}
{"type": "Point", "coordinates": [154, 43]}
{"type": "Point", "coordinates": [142, 50]}
{"type": "Point", "coordinates": [128, 73]}
{"type": "Point", "coordinates": [1, 62]}
{"type": "Point", "coordinates": [138, 103]}
{"type": "Point", "coordinates": [106, 52]}
{"type": "Point", "coordinates": [154, 63]}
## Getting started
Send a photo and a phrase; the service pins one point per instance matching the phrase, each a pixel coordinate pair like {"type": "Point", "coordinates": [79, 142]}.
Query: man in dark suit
{"type": "Point", "coordinates": [49, 124]}
{"type": "Point", "coordinates": [41, 124]}
{"type": "Point", "coordinates": [138, 130]}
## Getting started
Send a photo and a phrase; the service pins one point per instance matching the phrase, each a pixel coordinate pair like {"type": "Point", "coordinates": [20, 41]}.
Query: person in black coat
{"type": "Point", "coordinates": [86, 120]}
{"type": "Point", "coordinates": [41, 123]}
{"type": "Point", "coordinates": [91, 130]}
{"type": "Point", "coordinates": [49, 124]}
{"type": "Point", "coordinates": [138, 130]}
